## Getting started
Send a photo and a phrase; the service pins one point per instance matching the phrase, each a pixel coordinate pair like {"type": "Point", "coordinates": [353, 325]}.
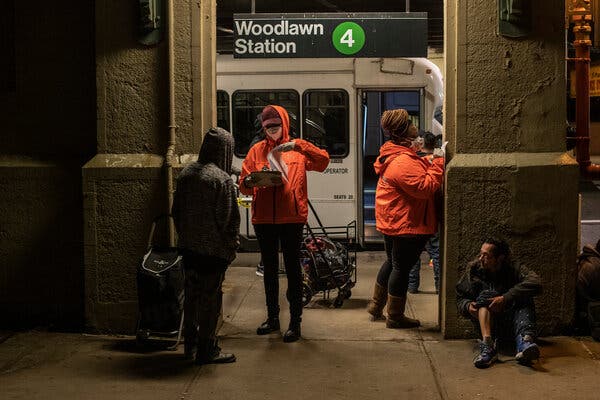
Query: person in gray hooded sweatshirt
{"type": "Point", "coordinates": [207, 221]}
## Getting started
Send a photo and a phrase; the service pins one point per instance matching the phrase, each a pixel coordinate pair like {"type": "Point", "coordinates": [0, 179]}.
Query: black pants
{"type": "Point", "coordinates": [402, 253]}
{"type": "Point", "coordinates": [290, 236]}
{"type": "Point", "coordinates": [203, 297]}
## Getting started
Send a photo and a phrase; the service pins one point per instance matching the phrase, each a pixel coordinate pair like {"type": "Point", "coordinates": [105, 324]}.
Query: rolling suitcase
{"type": "Point", "coordinates": [160, 284]}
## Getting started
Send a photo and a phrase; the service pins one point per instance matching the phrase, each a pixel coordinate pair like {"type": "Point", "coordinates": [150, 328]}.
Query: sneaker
{"type": "Point", "coordinates": [487, 355]}
{"type": "Point", "coordinates": [260, 270]}
{"type": "Point", "coordinates": [527, 350]}
{"type": "Point", "coordinates": [215, 356]}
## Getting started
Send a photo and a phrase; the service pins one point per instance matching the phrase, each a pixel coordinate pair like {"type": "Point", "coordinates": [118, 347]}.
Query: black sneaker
{"type": "Point", "coordinates": [270, 325]}
{"type": "Point", "coordinates": [260, 270]}
{"type": "Point", "coordinates": [212, 355]}
{"type": "Point", "coordinates": [215, 358]}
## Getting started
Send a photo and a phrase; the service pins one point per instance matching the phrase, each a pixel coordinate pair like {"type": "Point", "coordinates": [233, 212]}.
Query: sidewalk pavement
{"type": "Point", "coordinates": [342, 356]}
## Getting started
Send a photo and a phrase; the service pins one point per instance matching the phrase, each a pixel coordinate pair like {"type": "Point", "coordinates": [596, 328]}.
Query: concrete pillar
{"type": "Point", "coordinates": [124, 184]}
{"type": "Point", "coordinates": [508, 174]}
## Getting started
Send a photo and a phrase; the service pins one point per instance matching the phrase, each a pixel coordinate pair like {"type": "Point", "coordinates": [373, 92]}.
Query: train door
{"type": "Point", "coordinates": [374, 103]}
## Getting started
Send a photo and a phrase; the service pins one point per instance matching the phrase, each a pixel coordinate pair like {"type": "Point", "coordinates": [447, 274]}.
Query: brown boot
{"type": "Point", "coordinates": [375, 307]}
{"type": "Point", "coordinates": [396, 318]}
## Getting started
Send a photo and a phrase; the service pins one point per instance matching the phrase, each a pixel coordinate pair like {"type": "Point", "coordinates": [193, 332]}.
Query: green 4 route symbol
{"type": "Point", "coordinates": [348, 38]}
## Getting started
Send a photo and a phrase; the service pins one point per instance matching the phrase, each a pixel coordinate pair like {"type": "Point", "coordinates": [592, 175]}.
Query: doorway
{"type": "Point", "coordinates": [374, 103]}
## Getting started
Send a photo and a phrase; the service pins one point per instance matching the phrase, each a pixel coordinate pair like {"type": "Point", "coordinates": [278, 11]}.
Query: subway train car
{"type": "Point", "coordinates": [336, 103]}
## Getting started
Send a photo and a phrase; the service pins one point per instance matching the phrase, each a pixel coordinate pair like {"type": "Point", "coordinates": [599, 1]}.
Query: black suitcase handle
{"type": "Point", "coordinates": [153, 228]}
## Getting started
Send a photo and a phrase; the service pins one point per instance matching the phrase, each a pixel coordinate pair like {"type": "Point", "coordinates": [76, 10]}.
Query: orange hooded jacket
{"type": "Point", "coordinates": [288, 203]}
{"type": "Point", "coordinates": [404, 200]}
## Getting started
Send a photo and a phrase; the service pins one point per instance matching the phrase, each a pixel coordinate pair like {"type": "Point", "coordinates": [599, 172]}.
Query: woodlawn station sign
{"type": "Point", "coordinates": [330, 35]}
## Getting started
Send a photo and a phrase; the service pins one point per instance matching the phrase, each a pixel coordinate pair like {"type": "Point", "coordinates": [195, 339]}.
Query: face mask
{"type": "Point", "coordinates": [417, 144]}
{"type": "Point", "coordinates": [274, 134]}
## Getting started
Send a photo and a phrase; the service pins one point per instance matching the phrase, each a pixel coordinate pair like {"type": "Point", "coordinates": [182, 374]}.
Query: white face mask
{"type": "Point", "coordinates": [417, 144]}
{"type": "Point", "coordinates": [274, 133]}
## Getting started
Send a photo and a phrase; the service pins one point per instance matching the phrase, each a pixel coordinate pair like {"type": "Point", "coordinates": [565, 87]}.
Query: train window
{"type": "Point", "coordinates": [223, 109]}
{"type": "Point", "coordinates": [325, 121]}
{"type": "Point", "coordinates": [248, 104]}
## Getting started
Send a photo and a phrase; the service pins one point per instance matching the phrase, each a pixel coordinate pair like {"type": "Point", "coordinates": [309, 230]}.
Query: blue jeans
{"type": "Point", "coordinates": [433, 249]}
{"type": "Point", "coordinates": [517, 320]}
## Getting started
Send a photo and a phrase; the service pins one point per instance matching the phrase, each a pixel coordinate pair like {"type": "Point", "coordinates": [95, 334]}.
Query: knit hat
{"type": "Point", "coordinates": [270, 117]}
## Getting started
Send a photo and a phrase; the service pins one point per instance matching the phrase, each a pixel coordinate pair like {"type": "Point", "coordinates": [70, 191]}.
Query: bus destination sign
{"type": "Point", "coordinates": [330, 35]}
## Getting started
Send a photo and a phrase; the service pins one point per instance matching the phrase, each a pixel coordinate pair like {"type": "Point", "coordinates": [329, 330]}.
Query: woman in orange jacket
{"type": "Point", "coordinates": [280, 212]}
{"type": "Point", "coordinates": [404, 213]}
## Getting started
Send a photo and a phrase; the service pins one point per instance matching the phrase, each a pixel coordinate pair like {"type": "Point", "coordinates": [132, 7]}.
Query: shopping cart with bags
{"type": "Point", "coordinates": [327, 263]}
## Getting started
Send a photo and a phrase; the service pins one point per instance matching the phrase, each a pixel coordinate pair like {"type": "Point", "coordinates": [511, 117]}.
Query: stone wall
{"type": "Point", "coordinates": [122, 194]}
{"type": "Point", "coordinates": [508, 174]}
{"type": "Point", "coordinates": [125, 184]}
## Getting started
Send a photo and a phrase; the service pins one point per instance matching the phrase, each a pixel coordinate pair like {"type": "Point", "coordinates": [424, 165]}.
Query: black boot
{"type": "Point", "coordinates": [270, 325]}
{"type": "Point", "coordinates": [293, 333]}
{"type": "Point", "coordinates": [211, 354]}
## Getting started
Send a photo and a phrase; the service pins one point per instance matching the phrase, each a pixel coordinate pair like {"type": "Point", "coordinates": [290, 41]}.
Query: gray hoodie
{"type": "Point", "coordinates": [205, 205]}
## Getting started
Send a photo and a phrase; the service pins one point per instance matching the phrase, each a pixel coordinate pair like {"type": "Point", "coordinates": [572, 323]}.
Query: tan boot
{"type": "Point", "coordinates": [376, 305]}
{"type": "Point", "coordinates": [396, 318]}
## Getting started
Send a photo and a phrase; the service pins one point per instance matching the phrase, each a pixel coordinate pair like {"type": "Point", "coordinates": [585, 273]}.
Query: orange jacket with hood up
{"type": "Point", "coordinates": [404, 200]}
{"type": "Point", "coordinates": [287, 203]}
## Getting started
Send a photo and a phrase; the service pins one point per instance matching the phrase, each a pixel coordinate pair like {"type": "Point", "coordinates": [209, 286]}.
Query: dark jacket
{"type": "Point", "coordinates": [516, 283]}
{"type": "Point", "coordinates": [205, 204]}
{"type": "Point", "coordinates": [588, 275]}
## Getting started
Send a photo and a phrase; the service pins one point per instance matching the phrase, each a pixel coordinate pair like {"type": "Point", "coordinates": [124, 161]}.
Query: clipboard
{"type": "Point", "coordinates": [265, 179]}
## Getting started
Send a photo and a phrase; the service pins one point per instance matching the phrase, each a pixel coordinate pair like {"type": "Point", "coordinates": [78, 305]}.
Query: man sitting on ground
{"type": "Point", "coordinates": [495, 292]}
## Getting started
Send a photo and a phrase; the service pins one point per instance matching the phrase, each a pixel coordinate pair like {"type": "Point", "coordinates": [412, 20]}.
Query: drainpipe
{"type": "Point", "coordinates": [580, 14]}
{"type": "Point", "coordinates": [170, 155]}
